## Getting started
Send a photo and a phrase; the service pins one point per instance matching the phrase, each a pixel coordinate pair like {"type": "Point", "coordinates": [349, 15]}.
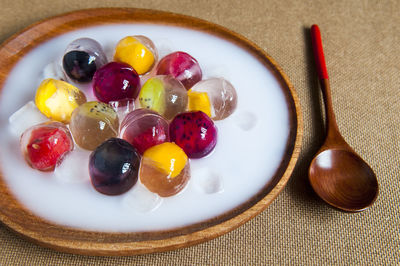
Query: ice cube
{"type": "Point", "coordinates": [207, 181]}
{"type": "Point", "coordinates": [74, 167]}
{"type": "Point", "coordinates": [53, 70]}
{"type": "Point", "coordinates": [245, 120]}
{"type": "Point", "coordinates": [26, 117]}
{"type": "Point", "coordinates": [141, 200]}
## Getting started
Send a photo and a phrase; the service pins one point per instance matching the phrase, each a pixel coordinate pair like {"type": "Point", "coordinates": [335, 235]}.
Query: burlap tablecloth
{"type": "Point", "coordinates": [362, 49]}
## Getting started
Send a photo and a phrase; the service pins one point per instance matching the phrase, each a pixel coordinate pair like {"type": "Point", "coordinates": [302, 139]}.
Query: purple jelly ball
{"type": "Point", "coordinates": [114, 167]}
{"type": "Point", "coordinates": [181, 66]}
{"type": "Point", "coordinates": [82, 58]}
{"type": "Point", "coordinates": [116, 81]}
{"type": "Point", "coordinates": [194, 132]}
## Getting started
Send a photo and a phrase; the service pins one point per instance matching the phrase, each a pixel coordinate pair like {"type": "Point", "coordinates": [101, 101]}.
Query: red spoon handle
{"type": "Point", "coordinates": [318, 52]}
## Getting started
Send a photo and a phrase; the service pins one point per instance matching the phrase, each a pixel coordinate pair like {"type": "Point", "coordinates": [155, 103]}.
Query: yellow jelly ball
{"type": "Point", "coordinates": [131, 51]}
{"type": "Point", "coordinates": [168, 157]}
{"type": "Point", "coordinates": [57, 99]}
{"type": "Point", "coordinates": [199, 101]}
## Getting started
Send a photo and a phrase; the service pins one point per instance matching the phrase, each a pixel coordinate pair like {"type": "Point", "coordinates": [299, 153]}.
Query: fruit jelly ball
{"type": "Point", "coordinates": [144, 128]}
{"type": "Point", "coordinates": [165, 95]}
{"type": "Point", "coordinates": [57, 99]}
{"type": "Point", "coordinates": [45, 144]}
{"type": "Point", "coordinates": [82, 58]}
{"type": "Point", "coordinates": [116, 81]}
{"type": "Point", "coordinates": [114, 167]}
{"type": "Point", "coordinates": [199, 101]}
{"type": "Point", "coordinates": [92, 123]}
{"type": "Point", "coordinates": [165, 169]}
{"type": "Point", "coordinates": [181, 66]}
{"type": "Point", "coordinates": [194, 132]}
{"type": "Point", "coordinates": [137, 51]}
{"type": "Point", "coordinates": [215, 96]}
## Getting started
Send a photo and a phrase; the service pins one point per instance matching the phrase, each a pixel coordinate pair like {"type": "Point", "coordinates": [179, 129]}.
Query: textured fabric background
{"type": "Point", "coordinates": [362, 48]}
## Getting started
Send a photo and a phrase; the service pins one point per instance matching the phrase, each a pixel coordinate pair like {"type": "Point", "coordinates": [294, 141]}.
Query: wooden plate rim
{"type": "Point", "coordinates": [66, 239]}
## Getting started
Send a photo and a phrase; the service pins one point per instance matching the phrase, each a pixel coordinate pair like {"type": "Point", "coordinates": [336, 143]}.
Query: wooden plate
{"type": "Point", "coordinates": [27, 223]}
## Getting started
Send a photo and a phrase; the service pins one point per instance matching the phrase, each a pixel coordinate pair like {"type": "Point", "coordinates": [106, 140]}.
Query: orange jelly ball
{"type": "Point", "coordinates": [165, 169]}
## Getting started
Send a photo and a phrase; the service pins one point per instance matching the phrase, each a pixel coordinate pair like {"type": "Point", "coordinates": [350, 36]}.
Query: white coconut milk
{"type": "Point", "coordinates": [250, 146]}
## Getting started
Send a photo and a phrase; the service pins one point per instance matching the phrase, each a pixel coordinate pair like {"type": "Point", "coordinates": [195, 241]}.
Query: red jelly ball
{"type": "Point", "coordinates": [45, 144]}
{"type": "Point", "coordinates": [181, 66]}
{"type": "Point", "coordinates": [144, 128]}
{"type": "Point", "coordinates": [194, 132]}
{"type": "Point", "coordinates": [116, 81]}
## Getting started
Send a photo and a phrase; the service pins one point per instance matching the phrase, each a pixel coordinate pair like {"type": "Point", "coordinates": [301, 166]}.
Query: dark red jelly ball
{"type": "Point", "coordinates": [114, 167]}
{"type": "Point", "coordinates": [181, 66]}
{"type": "Point", "coordinates": [116, 81]}
{"type": "Point", "coordinates": [194, 132]}
{"type": "Point", "coordinates": [150, 137]}
{"type": "Point", "coordinates": [144, 128]}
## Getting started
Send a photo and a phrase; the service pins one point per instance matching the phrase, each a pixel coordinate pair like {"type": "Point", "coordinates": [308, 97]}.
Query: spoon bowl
{"type": "Point", "coordinates": [342, 179]}
{"type": "Point", "coordinates": [337, 173]}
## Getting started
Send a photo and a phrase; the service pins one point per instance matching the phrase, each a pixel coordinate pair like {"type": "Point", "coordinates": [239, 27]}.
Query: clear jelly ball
{"type": "Point", "coordinates": [44, 145]}
{"type": "Point", "coordinates": [181, 66]}
{"type": "Point", "coordinates": [144, 128]}
{"type": "Point", "coordinates": [215, 96]}
{"type": "Point", "coordinates": [165, 169]}
{"type": "Point", "coordinates": [165, 95]}
{"type": "Point", "coordinates": [56, 99]}
{"type": "Point", "coordinates": [92, 123]}
{"type": "Point", "coordinates": [137, 51]}
{"type": "Point", "coordinates": [82, 58]}
{"type": "Point", "coordinates": [194, 132]}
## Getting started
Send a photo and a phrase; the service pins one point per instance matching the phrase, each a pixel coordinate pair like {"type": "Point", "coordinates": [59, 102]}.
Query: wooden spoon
{"type": "Point", "coordinates": [337, 174]}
